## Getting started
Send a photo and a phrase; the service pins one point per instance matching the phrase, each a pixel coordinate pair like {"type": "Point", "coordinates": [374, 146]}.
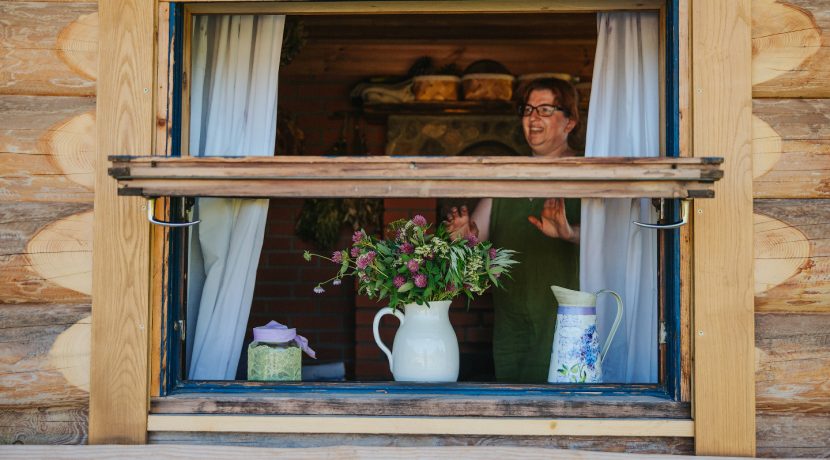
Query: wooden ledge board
{"type": "Point", "coordinates": [204, 452]}
{"type": "Point", "coordinates": [581, 406]}
{"type": "Point", "coordinates": [495, 426]}
{"type": "Point", "coordinates": [416, 176]}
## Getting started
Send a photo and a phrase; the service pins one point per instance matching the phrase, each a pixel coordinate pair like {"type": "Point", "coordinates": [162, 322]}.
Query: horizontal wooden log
{"type": "Point", "coordinates": [793, 435]}
{"type": "Point", "coordinates": [42, 425]}
{"type": "Point", "coordinates": [46, 144]}
{"type": "Point", "coordinates": [20, 280]}
{"type": "Point", "coordinates": [591, 406]}
{"type": "Point", "coordinates": [416, 177]}
{"type": "Point", "coordinates": [793, 363]}
{"type": "Point", "coordinates": [792, 255]}
{"type": "Point", "coordinates": [791, 148]}
{"type": "Point", "coordinates": [31, 375]}
{"type": "Point", "coordinates": [791, 48]}
{"type": "Point", "coordinates": [49, 48]}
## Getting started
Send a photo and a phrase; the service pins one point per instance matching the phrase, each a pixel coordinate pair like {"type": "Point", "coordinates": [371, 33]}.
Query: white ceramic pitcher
{"type": "Point", "coordinates": [425, 347]}
{"type": "Point", "coordinates": [575, 355]}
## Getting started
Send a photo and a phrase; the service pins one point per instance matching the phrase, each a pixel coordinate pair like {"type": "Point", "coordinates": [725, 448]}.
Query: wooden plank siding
{"type": "Point", "coordinates": [791, 48]}
{"type": "Point", "coordinates": [724, 397]}
{"type": "Point", "coordinates": [791, 148]}
{"type": "Point", "coordinates": [48, 64]}
{"type": "Point", "coordinates": [48, 49]}
{"type": "Point", "coordinates": [119, 382]}
{"type": "Point", "coordinates": [36, 372]}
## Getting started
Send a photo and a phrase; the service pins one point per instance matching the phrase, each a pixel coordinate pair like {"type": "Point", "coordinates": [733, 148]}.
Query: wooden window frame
{"type": "Point", "coordinates": [714, 39]}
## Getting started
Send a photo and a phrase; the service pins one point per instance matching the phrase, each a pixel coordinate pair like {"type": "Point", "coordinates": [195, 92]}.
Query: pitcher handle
{"type": "Point", "coordinates": [616, 322]}
{"type": "Point", "coordinates": [385, 311]}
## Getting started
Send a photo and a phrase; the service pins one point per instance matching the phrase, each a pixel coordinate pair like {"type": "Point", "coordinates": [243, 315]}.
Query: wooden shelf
{"type": "Point", "coordinates": [382, 176]}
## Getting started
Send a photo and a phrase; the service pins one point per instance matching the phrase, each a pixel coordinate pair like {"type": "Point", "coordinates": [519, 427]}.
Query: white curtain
{"type": "Point", "coordinates": [624, 120]}
{"type": "Point", "coordinates": [233, 113]}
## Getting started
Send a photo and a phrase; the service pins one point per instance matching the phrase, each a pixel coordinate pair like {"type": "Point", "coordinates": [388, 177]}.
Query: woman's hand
{"type": "Point", "coordinates": [459, 225]}
{"type": "Point", "coordinates": [554, 223]}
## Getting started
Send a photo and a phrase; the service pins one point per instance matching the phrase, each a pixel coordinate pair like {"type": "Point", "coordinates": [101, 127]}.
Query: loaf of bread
{"type": "Point", "coordinates": [435, 88]}
{"type": "Point", "coordinates": [487, 87]}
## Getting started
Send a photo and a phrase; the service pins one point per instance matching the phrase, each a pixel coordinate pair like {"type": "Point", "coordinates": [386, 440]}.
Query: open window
{"type": "Point", "coordinates": [417, 182]}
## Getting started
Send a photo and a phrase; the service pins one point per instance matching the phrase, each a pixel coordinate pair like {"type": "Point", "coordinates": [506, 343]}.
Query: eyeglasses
{"type": "Point", "coordinates": [544, 110]}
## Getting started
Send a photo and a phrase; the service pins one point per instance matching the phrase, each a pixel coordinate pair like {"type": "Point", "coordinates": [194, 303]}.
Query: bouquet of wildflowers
{"type": "Point", "coordinates": [415, 266]}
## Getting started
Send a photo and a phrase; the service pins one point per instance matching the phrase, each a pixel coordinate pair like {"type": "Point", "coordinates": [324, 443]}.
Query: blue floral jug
{"type": "Point", "coordinates": [575, 356]}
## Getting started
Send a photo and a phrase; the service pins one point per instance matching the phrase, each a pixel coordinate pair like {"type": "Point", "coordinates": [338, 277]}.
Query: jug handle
{"type": "Point", "coordinates": [385, 311]}
{"type": "Point", "coordinates": [616, 322]}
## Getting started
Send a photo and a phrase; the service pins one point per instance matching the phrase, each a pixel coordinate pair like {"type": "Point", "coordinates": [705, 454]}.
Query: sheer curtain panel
{"type": "Point", "coordinates": [624, 120]}
{"type": "Point", "coordinates": [233, 104]}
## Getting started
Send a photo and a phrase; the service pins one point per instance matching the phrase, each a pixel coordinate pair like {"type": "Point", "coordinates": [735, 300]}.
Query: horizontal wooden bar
{"type": "Point", "coordinates": [256, 177]}
{"type": "Point", "coordinates": [495, 426]}
{"type": "Point", "coordinates": [416, 7]}
{"type": "Point", "coordinates": [579, 406]}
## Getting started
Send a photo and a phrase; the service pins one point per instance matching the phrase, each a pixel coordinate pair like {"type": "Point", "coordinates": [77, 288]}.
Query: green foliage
{"type": "Point", "coordinates": [414, 266]}
{"type": "Point", "coordinates": [321, 219]}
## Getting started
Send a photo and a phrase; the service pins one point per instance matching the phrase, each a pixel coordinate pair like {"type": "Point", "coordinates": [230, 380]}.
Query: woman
{"type": "Point", "coordinates": [545, 232]}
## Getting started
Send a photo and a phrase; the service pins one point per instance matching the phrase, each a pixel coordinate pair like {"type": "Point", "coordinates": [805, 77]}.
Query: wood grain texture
{"type": "Point", "coordinates": [61, 252]}
{"type": "Point", "coordinates": [792, 256]}
{"type": "Point", "coordinates": [793, 364]}
{"type": "Point", "coordinates": [724, 400]}
{"type": "Point", "coordinates": [791, 48]}
{"type": "Point", "coordinates": [29, 374]}
{"type": "Point", "coordinates": [486, 426]}
{"type": "Point", "coordinates": [791, 148]}
{"type": "Point", "coordinates": [793, 435]}
{"type": "Point", "coordinates": [380, 176]}
{"type": "Point", "coordinates": [488, 450]}
{"type": "Point", "coordinates": [589, 406]}
{"type": "Point", "coordinates": [20, 281]}
{"type": "Point", "coordinates": [41, 425]}
{"type": "Point", "coordinates": [48, 49]}
{"type": "Point", "coordinates": [357, 59]}
{"type": "Point", "coordinates": [630, 445]}
{"type": "Point", "coordinates": [120, 327]}
{"type": "Point", "coordinates": [46, 147]}
{"type": "Point", "coordinates": [418, 7]}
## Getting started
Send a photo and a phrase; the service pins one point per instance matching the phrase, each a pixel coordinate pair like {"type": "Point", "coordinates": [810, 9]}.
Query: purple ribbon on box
{"type": "Point", "coordinates": [275, 332]}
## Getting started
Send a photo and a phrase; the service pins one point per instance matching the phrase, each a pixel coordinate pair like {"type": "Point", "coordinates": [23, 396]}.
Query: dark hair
{"type": "Point", "coordinates": [565, 93]}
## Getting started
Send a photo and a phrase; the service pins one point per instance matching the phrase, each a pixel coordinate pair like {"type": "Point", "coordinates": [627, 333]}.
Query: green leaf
{"type": "Point", "coordinates": [406, 286]}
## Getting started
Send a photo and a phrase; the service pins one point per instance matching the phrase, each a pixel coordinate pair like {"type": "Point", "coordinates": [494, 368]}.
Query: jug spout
{"type": "Point", "coordinates": [573, 298]}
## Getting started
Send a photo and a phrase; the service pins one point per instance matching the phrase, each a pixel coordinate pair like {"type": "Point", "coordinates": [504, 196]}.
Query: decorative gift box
{"type": "Point", "coordinates": [275, 354]}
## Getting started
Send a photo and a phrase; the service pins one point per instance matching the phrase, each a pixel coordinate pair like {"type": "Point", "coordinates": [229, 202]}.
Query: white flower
{"type": "Point", "coordinates": [336, 282]}
{"type": "Point", "coordinates": [319, 290]}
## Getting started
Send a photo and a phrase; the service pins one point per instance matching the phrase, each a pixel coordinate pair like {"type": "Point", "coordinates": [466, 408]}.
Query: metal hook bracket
{"type": "Point", "coordinates": [151, 216]}
{"type": "Point", "coordinates": [684, 217]}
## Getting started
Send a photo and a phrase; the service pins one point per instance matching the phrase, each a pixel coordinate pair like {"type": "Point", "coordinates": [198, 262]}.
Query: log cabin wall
{"type": "Point", "coordinates": [47, 139]}
{"type": "Point", "coordinates": [791, 162]}
{"type": "Point", "coordinates": [48, 67]}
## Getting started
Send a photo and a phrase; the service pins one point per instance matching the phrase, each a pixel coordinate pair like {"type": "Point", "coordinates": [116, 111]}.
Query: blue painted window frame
{"type": "Point", "coordinates": [172, 381]}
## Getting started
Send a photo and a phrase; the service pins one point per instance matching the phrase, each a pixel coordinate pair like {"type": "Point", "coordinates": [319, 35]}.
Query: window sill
{"type": "Point", "coordinates": [395, 399]}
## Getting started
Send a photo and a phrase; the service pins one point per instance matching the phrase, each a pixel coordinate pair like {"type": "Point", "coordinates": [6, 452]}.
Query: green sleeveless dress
{"type": "Point", "coordinates": [525, 310]}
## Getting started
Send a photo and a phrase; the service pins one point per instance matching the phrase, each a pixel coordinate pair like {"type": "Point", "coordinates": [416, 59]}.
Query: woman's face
{"type": "Point", "coordinates": [547, 136]}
